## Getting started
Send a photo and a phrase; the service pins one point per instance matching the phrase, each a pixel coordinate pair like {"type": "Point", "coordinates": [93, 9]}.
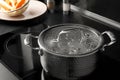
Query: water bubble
{"type": "Point", "coordinates": [74, 41]}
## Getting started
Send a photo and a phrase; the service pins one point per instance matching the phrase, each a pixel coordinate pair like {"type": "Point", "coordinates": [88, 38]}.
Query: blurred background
{"type": "Point", "coordinates": [107, 8]}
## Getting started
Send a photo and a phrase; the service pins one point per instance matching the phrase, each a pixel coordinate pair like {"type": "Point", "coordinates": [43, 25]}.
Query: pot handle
{"type": "Point", "coordinates": [28, 41]}
{"type": "Point", "coordinates": [111, 37]}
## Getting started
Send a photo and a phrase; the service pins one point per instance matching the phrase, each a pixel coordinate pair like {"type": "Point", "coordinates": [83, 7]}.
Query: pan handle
{"type": "Point", "coordinates": [111, 37]}
{"type": "Point", "coordinates": [28, 41]}
{"type": "Point", "coordinates": [29, 36]}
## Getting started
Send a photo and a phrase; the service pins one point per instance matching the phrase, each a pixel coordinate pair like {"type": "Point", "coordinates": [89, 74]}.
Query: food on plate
{"type": "Point", "coordinates": [20, 3]}
{"type": "Point", "coordinates": [5, 6]}
{"type": "Point", "coordinates": [13, 7]}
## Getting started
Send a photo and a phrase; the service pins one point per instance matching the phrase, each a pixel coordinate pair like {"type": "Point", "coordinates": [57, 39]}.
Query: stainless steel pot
{"type": "Point", "coordinates": [69, 66]}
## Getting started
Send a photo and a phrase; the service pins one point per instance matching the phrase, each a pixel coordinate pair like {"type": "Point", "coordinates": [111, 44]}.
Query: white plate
{"type": "Point", "coordinates": [35, 9]}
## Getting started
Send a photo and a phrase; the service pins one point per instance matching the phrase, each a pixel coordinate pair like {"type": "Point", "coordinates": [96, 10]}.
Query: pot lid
{"type": "Point", "coordinates": [71, 39]}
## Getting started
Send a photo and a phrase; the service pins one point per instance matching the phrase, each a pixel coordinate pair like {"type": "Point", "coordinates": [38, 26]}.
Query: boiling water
{"type": "Point", "coordinates": [74, 41]}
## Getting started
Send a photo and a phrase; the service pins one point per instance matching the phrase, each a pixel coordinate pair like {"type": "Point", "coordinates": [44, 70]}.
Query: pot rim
{"type": "Point", "coordinates": [42, 47]}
